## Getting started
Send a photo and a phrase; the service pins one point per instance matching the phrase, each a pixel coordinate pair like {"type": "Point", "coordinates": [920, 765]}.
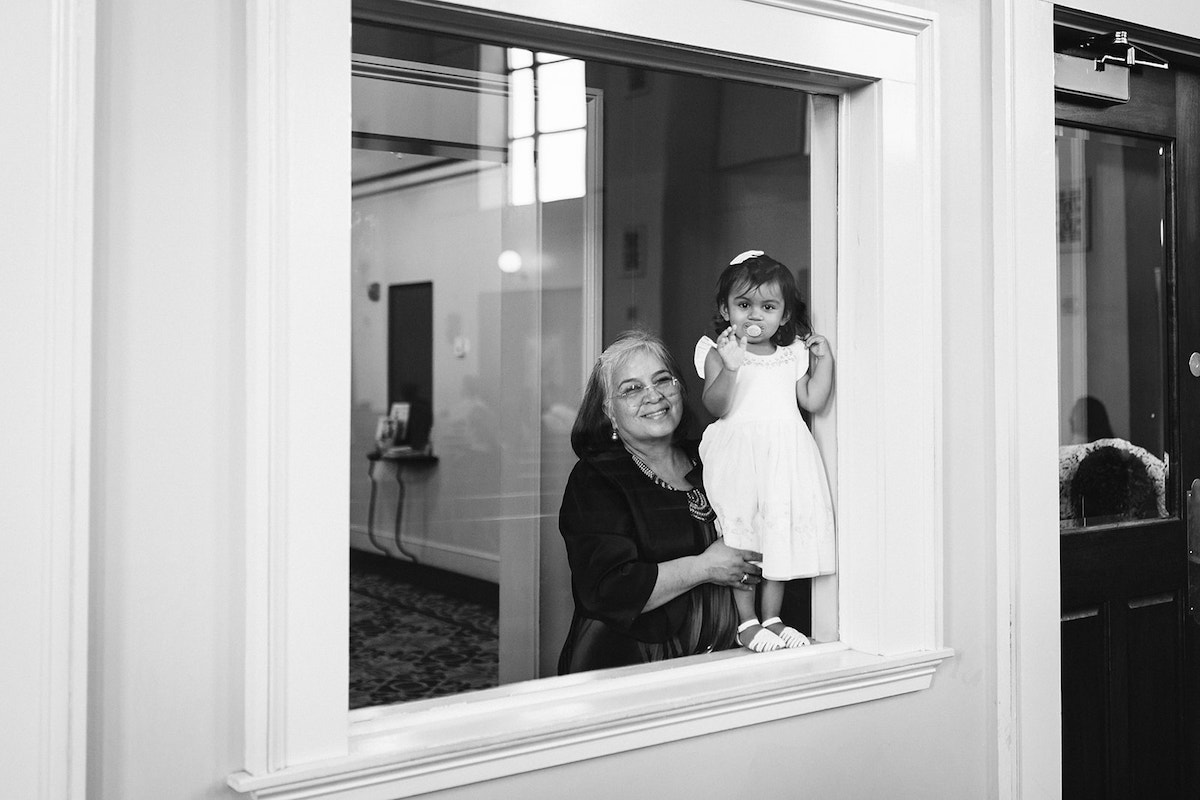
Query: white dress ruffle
{"type": "Point", "coordinates": [763, 472]}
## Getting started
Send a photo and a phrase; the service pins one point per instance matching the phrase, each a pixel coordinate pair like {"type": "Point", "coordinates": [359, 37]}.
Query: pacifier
{"type": "Point", "coordinates": [753, 330]}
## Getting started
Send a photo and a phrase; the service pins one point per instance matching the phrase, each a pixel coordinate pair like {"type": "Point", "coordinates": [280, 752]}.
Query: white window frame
{"type": "Point", "coordinates": [300, 740]}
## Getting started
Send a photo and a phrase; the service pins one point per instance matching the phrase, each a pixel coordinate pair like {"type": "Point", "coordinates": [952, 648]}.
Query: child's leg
{"type": "Point", "coordinates": [772, 597]}
{"type": "Point", "coordinates": [772, 602]}
{"type": "Point", "coordinates": [751, 634]}
{"type": "Point", "coordinates": [744, 600]}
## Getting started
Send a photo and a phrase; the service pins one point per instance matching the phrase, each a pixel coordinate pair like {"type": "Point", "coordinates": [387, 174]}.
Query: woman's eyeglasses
{"type": "Point", "coordinates": [634, 394]}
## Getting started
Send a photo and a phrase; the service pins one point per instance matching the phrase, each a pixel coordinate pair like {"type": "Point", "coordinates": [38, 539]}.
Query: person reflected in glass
{"type": "Point", "coordinates": [1089, 421]}
{"type": "Point", "coordinates": [650, 577]}
{"type": "Point", "coordinates": [766, 481]}
{"type": "Point", "coordinates": [1113, 485]}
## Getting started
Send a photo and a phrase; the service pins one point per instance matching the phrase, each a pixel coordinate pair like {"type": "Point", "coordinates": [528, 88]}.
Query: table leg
{"type": "Point", "coordinates": [371, 511]}
{"type": "Point", "coordinates": [400, 512]}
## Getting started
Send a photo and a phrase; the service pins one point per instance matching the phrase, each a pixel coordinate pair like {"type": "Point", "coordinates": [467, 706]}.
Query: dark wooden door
{"type": "Point", "coordinates": [1129, 292]}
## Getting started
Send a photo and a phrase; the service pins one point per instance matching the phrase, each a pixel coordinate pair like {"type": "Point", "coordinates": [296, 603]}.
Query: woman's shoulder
{"type": "Point", "coordinates": [612, 464]}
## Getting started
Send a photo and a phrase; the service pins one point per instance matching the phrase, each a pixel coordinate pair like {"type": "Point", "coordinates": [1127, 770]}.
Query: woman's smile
{"type": "Point", "coordinates": [652, 412]}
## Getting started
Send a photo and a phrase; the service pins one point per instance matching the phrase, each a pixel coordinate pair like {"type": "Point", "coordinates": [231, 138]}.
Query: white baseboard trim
{"type": "Point", "coordinates": [441, 555]}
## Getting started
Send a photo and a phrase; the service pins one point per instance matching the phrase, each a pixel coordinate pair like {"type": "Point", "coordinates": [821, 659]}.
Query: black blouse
{"type": "Point", "coordinates": [618, 525]}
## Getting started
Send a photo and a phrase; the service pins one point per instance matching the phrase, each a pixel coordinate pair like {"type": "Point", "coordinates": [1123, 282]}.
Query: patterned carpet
{"type": "Point", "coordinates": [417, 632]}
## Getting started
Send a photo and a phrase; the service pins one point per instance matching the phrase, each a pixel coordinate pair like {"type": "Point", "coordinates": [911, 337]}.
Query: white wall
{"type": "Point", "coordinates": [166, 658]}
{"type": "Point", "coordinates": [1177, 16]}
{"type": "Point", "coordinates": [45, 320]}
{"type": "Point", "coordinates": [165, 713]}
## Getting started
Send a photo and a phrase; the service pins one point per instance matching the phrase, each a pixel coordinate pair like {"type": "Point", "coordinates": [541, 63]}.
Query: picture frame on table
{"type": "Point", "coordinates": [385, 433]}
{"type": "Point", "coordinates": [399, 415]}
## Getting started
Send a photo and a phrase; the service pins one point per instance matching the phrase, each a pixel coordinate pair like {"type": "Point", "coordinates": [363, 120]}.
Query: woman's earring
{"type": "Point", "coordinates": [614, 433]}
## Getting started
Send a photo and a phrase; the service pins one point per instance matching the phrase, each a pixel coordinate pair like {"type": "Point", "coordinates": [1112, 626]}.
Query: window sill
{"type": "Point", "coordinates": [435, 744]}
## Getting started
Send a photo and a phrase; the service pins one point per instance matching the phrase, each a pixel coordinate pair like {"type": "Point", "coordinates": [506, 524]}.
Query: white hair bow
{"type": "Point", "coordinates": [744, 256]}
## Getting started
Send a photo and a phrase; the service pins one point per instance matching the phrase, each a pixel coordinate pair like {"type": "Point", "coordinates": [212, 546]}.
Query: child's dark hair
{"type": "Point", "coordinates": [756, 271]}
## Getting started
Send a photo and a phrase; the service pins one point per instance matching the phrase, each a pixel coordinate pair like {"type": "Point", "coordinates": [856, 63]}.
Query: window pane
{"type": "Point", "coordinates": [1112, 207]}
{"type": "Point", "coordinates": [491, 261]}
{"type": "Point", "coordinates": [561, 165]}
{"type": "Point", "coordinates": [560, 100]}
{"type": "Point", "coordinates": [521, 172]}
{"type": "Point", "coordinates": [520, 104]}
{"type": "Point", "coordinates": [518, 58]}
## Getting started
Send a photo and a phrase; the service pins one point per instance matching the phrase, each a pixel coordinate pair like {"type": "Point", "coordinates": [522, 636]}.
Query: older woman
{"type": "Point", "coordinates": [650, 577]}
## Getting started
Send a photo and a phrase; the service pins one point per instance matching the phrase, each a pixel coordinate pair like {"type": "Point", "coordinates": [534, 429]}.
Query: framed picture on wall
{"type": "Point", "coordinates": [1074, 217]}
{"type": "Point", "coordinates": [633, 257]}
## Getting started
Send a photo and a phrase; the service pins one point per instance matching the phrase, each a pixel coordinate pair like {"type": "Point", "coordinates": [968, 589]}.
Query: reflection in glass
{"type": "Point", "coordinates": [520, 103]}
{"type": "Point", "coordinates": [551, 203]}
{"type": "Point", "coordinates": [1112, 261]}
{"type": "Point", "coordinates": [562, 161]}
{"type": "Point", "coordinates": [561, 103]}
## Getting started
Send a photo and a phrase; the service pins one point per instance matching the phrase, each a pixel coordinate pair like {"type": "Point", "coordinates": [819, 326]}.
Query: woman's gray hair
{"type": "Point", "coordinates": [617, 354]}
{"type": "Point", "coordinates": [592, 431]}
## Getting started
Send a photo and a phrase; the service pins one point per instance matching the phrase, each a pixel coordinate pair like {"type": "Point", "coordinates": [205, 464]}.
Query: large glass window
{"type": "Point", "coordinates": [514, 210]}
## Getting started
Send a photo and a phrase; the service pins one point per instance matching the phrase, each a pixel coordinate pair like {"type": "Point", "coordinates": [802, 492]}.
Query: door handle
{"type": "Point", "coordinates": [1192, 513]}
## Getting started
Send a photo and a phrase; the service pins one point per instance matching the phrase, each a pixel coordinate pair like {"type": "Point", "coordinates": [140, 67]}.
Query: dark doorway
{"type": "Point", "coordinates": [410, 357]}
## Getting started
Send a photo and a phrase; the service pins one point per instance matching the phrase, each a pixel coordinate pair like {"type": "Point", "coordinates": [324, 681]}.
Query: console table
{"type": "Point", "coordinates": [397, 462]}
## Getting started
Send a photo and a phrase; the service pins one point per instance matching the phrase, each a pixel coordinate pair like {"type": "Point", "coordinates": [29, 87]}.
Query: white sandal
{"type": "Point", "coordinates": [789, 636]}
{"type": "Point", "coordinates": [762, 642]}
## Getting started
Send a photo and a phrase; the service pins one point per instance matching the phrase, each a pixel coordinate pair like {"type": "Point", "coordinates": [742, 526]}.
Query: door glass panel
{"type": "Point", "coordinates": [1112, 265]}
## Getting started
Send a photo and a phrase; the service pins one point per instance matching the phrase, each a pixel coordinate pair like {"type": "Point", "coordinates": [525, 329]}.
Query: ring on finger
{"type": "Point", "coordinates": [744, 577]}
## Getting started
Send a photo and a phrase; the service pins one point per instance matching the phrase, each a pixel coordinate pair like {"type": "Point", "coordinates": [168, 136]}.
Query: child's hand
{"type": "Point", "coordinates": [818, 345]}
{"type": "Point", "coordinates": [732, 349]}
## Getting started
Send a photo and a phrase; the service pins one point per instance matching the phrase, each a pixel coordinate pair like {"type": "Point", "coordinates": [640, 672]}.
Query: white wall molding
{"type": "Point", "coordinates": [47, 76]}
{"type": "Point", "coordinates": [882, 16]}
{"type": "Point", "coordinates": [417, 748]}
{"type": "Point", "coordinates": [1028, 727]}
{"type": "Point", "coordinates": [297, 374]}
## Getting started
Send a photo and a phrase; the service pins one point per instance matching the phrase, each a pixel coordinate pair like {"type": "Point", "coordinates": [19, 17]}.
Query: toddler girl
{"type": "Point", "coordinates": [762, 470]}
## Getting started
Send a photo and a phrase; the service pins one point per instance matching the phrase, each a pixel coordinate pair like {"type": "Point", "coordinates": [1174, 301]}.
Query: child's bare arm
{"type": "Point", "coordinates": [813, 388]}
{"type": "Point", "coordinates": [720, 372]}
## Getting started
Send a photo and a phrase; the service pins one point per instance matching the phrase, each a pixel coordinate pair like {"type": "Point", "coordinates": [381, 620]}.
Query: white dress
{"type": "Point", "coordinates": [763, 473]}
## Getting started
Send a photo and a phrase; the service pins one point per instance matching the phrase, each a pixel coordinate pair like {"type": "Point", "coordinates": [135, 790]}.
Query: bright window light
{"type": "Point", "coordinates": [520, 173]}
{"type": "Point", "coordinates": [561, 171]}
{"type": "Point", "coordinates": [520, 103]}
{"type": "Point", "coordinates": [561, 103]}
{"type": "Point", "coordinates": [518, 59]}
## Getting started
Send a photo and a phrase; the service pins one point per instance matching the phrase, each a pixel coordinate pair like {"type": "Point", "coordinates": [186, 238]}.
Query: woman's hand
{"type": "Point", "coordinates": [719, 564]}
{"type": "Point", "coordinates": [728, 566]}
{"type": "Point", "coordinates": [732, 349]}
